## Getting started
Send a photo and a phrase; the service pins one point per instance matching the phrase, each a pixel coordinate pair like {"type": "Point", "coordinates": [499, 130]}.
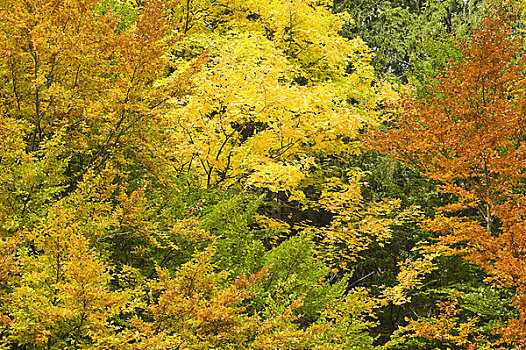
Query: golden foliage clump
{"type": "Point", "coordinates": [274, 94]}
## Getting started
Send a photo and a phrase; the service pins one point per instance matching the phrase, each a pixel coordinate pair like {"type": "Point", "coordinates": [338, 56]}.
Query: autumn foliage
{"type": "Point", "coordinates": [192, 174]}
{"type": "Point", "coordinates": [468, 135]}
{"type": "Point", "coordinates": [124, 129]}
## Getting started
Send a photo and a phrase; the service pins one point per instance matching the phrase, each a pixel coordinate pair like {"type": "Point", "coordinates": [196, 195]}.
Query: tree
{"type": "Point", "coordinates": [411, 37]}
{"type": "Point", "coordinates": [469, 136]}
{"type": "Point", "coordinates": [273, 97]}
{"type": "Point", "coordinates": [77, 91]}
{"type": "Point", "coordinates": [77, 101]}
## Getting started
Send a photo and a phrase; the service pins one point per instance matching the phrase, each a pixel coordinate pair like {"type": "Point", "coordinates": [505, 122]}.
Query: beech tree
{"type": "Point", "coordinates": [469, 136]}
{"type": "Point", "coordinates": [282, 97]}
{"type": "Point", "coordinates": [76, 92]}
{"type": "Point", "coordinates": [274, 93]}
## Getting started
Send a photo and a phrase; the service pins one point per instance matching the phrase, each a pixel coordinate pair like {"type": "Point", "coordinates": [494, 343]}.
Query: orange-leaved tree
{"type": "Point", "coordinates": [468, 134]}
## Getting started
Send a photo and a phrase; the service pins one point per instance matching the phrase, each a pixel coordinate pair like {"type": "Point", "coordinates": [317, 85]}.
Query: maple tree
{"type": "Point", "coordinates": [468, 136]}
{"type": "Point", "coordinates": [411, 41]}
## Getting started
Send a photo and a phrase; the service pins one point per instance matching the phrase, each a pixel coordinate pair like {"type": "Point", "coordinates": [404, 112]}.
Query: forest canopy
{"type": "Point", "coordinates": [262, 174]}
